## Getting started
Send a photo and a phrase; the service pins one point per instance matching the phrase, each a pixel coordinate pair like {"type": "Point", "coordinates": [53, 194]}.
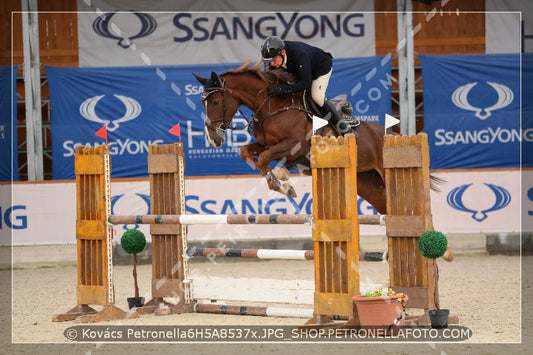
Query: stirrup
{"type": "Point", "coordinates": [351, 121]}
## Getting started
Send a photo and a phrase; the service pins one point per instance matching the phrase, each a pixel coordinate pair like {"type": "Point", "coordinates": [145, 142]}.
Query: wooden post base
{"type": "Point", "coordinates": [109, 312]}
{"type": "Point", "coordinates": [320, 321]}
{"type": "Point", "coordinates": [160, 307]}
{"type": "Point", "coordinates": [87, 314]}
{"type": "Point", "coordinates": [77, 311]}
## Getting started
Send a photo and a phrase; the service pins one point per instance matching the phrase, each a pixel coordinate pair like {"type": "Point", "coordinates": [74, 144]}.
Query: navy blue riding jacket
{"type": "Point", "coordinates": [306, 63]}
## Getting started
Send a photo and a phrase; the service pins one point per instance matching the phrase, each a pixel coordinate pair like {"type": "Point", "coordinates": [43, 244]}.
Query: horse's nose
{"type": "Point", "coordinates": [215, 140]}
{"type": "Point", "coordinates": [221, 134]}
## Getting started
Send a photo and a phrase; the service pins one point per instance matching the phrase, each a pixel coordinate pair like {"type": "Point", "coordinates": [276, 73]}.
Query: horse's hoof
{"type": "Point", "coordinates": [281, 173]}
{"type": "Point", "coordinates": [448, 255]}
{"type": "Point", "coordinates": [162, 311]}
{"type": "Point", "coordinates": [288, 190]}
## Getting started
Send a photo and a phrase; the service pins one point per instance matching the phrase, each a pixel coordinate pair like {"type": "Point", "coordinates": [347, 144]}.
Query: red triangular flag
{"type": "Point", "coordinates": [102, 132]}
{"type": "Point", "coordinates": [176, 131]}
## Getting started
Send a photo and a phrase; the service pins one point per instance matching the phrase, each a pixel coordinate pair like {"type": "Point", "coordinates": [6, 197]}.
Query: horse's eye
{"type": "Point", "coordinates": [215, 102]}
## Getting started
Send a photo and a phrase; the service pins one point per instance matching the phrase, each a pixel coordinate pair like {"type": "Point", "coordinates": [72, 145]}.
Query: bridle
{"type": "Point", "coordinates": [226, 124]}
{"type": "Point", "coordinates": [210, 91]}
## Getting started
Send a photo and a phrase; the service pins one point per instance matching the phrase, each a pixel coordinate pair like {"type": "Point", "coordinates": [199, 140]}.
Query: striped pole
{"type": "Point", "coordinates": [213, 219]}
{"type": "Point", "coordinates": [215, 308]}
{"type": "Point", "coordinates": [231, 219]}
{"type": "Point", "coordinates": [282, 254]}
{"type": "Point", "coordinates": [252, 253]}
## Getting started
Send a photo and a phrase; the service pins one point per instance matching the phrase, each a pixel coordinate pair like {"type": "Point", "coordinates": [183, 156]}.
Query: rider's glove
{"type": "Point", "coordinates": [274, 90]}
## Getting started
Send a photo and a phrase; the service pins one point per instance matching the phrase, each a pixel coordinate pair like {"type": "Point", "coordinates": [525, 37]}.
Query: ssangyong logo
{"type": "Point", "coordinates": [104, 26]}
{"type": "Point", "coordinates": [118, 208]}
{"type": "Point", "coordinates": [460, 99]}
{"type": "Point", "coordinates": [88, 111]}
{"type": "Point", "coordinates": [502, 199]}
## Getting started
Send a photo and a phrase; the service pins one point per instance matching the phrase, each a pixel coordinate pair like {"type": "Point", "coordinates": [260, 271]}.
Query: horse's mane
{"type": "Point", "coordinates": [269, 77]}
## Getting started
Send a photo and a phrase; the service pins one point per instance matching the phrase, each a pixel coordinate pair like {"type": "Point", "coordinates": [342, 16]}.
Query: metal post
{"type": "Point", "coordinates": [32, 86]}
{"type": "Point", "coordinates": [406, 67]}
{"type": "Point", "coordinates": [411, 130]}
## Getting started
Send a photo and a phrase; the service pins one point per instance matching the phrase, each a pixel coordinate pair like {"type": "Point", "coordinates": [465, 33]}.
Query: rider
{"type": "Point", "coordinates": [311, 68]}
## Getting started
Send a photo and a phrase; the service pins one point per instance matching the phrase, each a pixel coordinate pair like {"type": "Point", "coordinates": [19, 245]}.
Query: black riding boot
{"type": "Point", "coordinates": [335, 118]}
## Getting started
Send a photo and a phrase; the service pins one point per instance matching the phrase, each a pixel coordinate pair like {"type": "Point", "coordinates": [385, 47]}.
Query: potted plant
{"type": "Point", "coordinates": [133, 242]}
{"type": "Point", "coordinates": [380, 308]}
{"type": "Point", "coordinates": [433, 245]}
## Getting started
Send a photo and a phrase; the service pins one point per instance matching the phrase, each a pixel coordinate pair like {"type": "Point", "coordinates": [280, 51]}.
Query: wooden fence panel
{"type": "Point", "coordinates": [408, 217]}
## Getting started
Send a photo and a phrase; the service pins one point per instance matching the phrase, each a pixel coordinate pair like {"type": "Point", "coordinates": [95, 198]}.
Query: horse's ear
{"type": "Point", "coordinates": [215, 80]}
{"type": "Point", "coordinates": [202, 81]}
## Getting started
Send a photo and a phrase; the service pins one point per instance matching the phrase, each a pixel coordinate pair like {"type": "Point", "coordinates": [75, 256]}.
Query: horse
{"type": "Point", "coordinates": [282, 129]}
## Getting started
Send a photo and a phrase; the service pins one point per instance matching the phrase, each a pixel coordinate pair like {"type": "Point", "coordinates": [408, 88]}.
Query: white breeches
{"type": "Point", "coordinates": [318, 88]}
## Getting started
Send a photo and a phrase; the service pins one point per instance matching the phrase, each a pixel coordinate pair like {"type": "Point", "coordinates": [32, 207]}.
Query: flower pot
{"type": "Point", "coordinates": [439, 318]}
{"type": "Point", "coordinates": [380, 312]}
{"type": "Point", "coordinates": [135, 302]}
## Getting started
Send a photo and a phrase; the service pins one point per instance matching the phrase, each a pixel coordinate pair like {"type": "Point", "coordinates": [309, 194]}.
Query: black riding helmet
{"type": "Point", "coordinates": [271, 48]}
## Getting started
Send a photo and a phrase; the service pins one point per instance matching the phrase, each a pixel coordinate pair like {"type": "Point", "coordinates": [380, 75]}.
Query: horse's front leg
{"type": "Point", "coordinates": [248, 153]}
{"type": "Point", "coordinates": [280, 151]}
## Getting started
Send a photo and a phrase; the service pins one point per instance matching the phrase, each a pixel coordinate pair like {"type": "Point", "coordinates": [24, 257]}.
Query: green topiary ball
{"type": "Point", "coordinates": [433, 244]}
{"type": "Point", "coordinates": [133, 241]}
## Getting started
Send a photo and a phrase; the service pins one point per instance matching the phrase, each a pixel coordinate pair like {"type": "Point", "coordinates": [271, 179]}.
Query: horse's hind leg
{"type": "Point", "coordinates": [371, 187]}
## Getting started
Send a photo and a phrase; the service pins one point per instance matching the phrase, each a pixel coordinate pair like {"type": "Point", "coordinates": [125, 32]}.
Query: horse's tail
{"type": "Point", "coordinates": [435, 181]}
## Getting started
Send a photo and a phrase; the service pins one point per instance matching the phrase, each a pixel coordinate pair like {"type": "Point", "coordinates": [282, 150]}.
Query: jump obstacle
{"type": "Point", "coordinates": [335, 229]}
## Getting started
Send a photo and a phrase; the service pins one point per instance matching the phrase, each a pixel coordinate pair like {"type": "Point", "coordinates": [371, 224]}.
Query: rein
{"type": "Point", "coordinates": [258, 120]}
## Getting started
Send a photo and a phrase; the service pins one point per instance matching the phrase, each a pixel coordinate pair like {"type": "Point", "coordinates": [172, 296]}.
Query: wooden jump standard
{"type": "Point", "coordinates": [94, 238]}
{"type": "Point", "coordinates": [335, 228]}
{"type": "Point", "coordinates": [406, 163]}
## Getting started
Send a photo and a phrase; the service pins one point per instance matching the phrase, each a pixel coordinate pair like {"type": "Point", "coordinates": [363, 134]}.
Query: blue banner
{"type": "Point", "coordinates": [472, 111]}
{"type": "Point", "coordinates": [367, 82]}
{"type": "Point", "coordinates": [8, 123]}
{"type": "Point", "coordinates": [141, 104]}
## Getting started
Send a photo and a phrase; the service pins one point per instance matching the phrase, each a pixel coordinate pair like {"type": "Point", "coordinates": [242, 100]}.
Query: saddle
{"type": "Point", "coordinates": [345, 109]}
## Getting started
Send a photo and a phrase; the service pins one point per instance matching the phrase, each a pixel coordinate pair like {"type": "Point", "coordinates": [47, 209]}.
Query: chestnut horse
{"type": "Point", "coordinates": [283, 130]}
